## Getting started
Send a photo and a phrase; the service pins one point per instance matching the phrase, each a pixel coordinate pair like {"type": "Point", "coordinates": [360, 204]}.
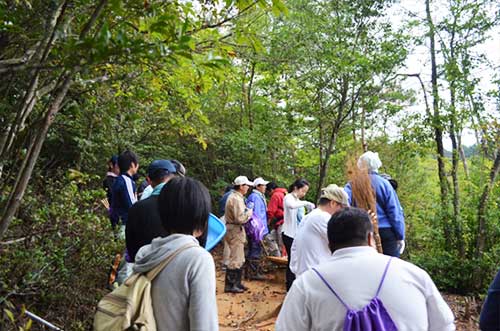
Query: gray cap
{"type": "Point", "coordinates": [334, 193]}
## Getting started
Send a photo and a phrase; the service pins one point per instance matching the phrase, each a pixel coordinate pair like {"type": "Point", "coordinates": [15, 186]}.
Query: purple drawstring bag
{"type": "Point", "coordinates": [255, 228]}
{"type": "Point", "coordinates": [373, 317]}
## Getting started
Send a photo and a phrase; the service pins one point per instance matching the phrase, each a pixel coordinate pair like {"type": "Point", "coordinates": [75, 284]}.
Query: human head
{"type": "Point", "coordinates": [113, 165]}
{"type": "Point", "coordinates": [160, 171]}
{"type": "Point", "coordinates": [184, 205]}
{"type": "Point", "coordinates": [333, 198]}
{"type": "Point", "coordinates": [299, 187]}
{"type": "Point", "coordinates": [180, 170]}
{"type": "Point", "coordinates": [270, 187]}
{"type": "Point", "coordinates": [350, 227]}
{"type": "Point", "coordinates": [128, 162]}
{"type": "Point", "coordinates": [242, 184]}
{"type": "Point", "coordinates": [370, 161]}
{"type": "Point", "coordinates": [260, 184]}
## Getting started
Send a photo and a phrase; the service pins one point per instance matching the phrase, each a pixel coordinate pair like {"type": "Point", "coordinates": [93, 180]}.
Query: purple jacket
{"type": "Point", "coordinates": [260, 207]}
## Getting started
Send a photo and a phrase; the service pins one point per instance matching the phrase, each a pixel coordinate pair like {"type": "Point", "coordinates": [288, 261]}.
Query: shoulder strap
{"type": "Point", "coordinates": [383, 276]}
{"type": "Point", "coordinates": [151, 274]}
{"type": "Point", "coordinates": [156, 270]}
{"type": "Point", "coordinates": [331, 289]}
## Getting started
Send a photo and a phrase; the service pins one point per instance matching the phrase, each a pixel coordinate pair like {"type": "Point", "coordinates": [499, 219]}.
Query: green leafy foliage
{"type": "Point", "coordinates": [231, 88]}
{"type": "Point", "coordinates": [61, 251]}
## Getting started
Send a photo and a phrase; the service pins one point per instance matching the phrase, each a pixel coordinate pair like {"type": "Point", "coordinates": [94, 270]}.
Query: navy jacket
{"type": "Point", "coordinates": [490, 315]}
{"type": "Point", "coordinates": [144, 224]}
{"type": "Point", "coordinates": [120, 199]}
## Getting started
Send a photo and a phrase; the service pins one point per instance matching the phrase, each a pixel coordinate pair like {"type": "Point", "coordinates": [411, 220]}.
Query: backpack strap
{"type": "Point", "coordinates": [338, 297]}
{"type": "Point", "coordinates": [156, 270]}
{"type": "Point", "coordinates": [151, 274]}
{"type": "Point", "coordinates": [383, 276]}
{"type": "Point", "coordinates": [331, 289]}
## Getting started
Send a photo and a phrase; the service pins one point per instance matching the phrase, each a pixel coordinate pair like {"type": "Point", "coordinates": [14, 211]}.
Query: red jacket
{"type": "Point", "coordinates": [275, 207]}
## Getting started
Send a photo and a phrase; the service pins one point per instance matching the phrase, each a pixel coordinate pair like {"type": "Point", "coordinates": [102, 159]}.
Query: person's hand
{"type": "Point", "coordinates": [310, 206]}
{"type": "Point", "coordinates": [401, 246]}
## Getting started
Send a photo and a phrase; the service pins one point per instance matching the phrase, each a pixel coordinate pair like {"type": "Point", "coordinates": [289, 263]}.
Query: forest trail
{"type": "Point", "coordinates": [253, 309]}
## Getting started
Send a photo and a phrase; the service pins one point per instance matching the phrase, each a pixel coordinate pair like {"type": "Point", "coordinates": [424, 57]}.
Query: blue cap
{"type": "Point", "coordinates": [161, 165]}
{"type": "Point", "coordinates": [114, 159]}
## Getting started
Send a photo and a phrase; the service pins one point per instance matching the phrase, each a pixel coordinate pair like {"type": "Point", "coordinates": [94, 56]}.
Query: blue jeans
{"type": "Point", "coordinates": [389, 242]}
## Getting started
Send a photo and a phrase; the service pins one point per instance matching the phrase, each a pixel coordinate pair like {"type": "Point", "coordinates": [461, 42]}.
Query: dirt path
{"type": "Point", "coordinates": [250, 310]}
{"type": "Point", "coordinates": [253, 309]}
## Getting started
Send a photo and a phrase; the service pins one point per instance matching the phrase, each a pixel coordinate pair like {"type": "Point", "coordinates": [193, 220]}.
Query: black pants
{"type": "Point", "coordinates": [389, 242]}
{"type": "Point", "coordinates": [290, 276]}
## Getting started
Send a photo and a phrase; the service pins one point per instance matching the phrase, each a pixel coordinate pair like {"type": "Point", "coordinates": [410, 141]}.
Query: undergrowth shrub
{"type": "Point", "coordinates": [57, 253]}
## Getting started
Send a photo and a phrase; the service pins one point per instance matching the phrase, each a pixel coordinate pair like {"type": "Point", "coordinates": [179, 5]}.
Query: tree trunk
{"type": "Point", "coordinates": [249, 96]}
{"type": "Point", "coordinates": [29, 99]}
{"type": "Point", "coordinates": [438, 131]}
{"type": "Point", "coordinates": [456, 193]}
{"type": "Point", "coordinates": [363, 138]}
{"type": "Point", "coordinates": [26, 169]}
{"type": "Point", "coordinates": [483, 203]}
{"type": "Point", "coordinates": [324, 163]}
{"type": "Point", "coordinates": [353, 118]}
{"type": "Point", "coordinates": [462, 156]}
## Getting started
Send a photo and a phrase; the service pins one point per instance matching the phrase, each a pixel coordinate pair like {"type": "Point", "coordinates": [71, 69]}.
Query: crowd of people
{"type": "Point", "coordinates": [335, 277]}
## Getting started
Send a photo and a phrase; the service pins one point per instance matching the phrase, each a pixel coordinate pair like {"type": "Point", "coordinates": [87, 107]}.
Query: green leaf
{"type": "Point", "coordinates": [28, 325]}
{"type": "Point", "coordinates": [278, 7]}
{"type": "Point", "coordinates": [10, 315]}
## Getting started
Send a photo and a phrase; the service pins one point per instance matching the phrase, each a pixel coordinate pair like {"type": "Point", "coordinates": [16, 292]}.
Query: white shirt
{"type": "Point", "coordinates": [291, 205]}
{"type": "Point", "coordinates": [310, 245]}
{"type": "Point", "coordinates": [408, 293]}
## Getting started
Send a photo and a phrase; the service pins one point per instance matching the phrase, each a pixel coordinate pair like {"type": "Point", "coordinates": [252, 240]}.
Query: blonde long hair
{"type": "Point", "coordinates": [363, 195]}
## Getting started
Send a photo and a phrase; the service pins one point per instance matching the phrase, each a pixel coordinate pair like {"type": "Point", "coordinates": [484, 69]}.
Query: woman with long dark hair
{"type": "Point", "coordinates": [293, 207]}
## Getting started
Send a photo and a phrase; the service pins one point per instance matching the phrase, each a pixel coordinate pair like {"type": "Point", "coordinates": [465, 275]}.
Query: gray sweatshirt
{"type": "Point", "coordinates": [184, 292]}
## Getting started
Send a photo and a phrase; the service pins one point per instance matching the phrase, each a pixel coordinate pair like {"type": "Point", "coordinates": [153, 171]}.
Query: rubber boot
{"type": "Point", "coordinates": [240, 284]}
{"type": "Point", "coordinates": [254, 271]}
{"type": "Point", "coordinates": [231, 281]}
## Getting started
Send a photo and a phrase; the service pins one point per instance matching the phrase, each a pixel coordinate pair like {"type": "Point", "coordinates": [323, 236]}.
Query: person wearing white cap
{"type": "Point", "coordinates": [310, 246]}
{"type": "Point", "coordinates": [236, 215]}
{"type": "Point", "coordinates": [390, 215]}
{"type": "Point", "coordinates": [258, 200]}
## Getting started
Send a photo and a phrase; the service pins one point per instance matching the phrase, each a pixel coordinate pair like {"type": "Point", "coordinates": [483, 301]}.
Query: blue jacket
{"type": "Point", "coordinates": [121, 202]}
{"type": "Point", "coordinates": [260, 207]}
{"type": "Point", "coordinates": [389, 211]}
{"type": "Point", "coordinates": [490, 314]}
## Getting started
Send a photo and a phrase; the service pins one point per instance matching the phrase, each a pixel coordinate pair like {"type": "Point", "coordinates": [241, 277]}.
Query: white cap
{"type": "Point", "coordinates": [369, 160]}
{"type": "Point", "coordinates": [259, 181]}
{"type": "Point", "coordinates": [242, 180]}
